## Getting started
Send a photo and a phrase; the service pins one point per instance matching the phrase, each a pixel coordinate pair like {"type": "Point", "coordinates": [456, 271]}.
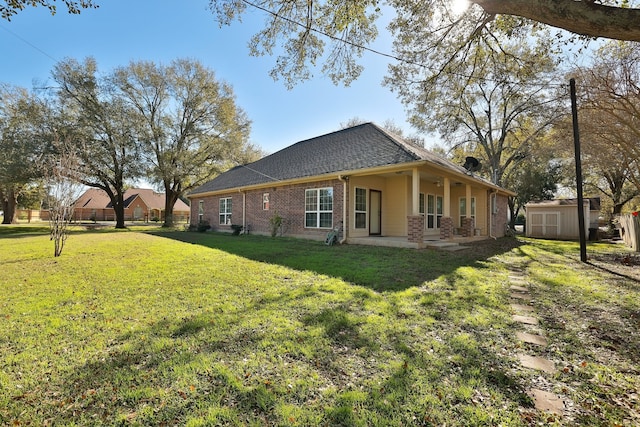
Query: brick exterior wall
{"type": "Point", "coordinates": [287, 201]}
{"type": "Point", "coordinates": [446, 227]}
{"type": "Point", "coordinates": [468, 224]}
{"type": "Point", "coordinates": [499, 216]}
{"type": "Point", "coordinates": [415, 229]}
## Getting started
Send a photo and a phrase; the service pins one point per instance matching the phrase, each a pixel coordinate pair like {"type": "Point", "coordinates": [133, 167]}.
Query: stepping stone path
{"type": "Point", "coordinates": [525, 314]}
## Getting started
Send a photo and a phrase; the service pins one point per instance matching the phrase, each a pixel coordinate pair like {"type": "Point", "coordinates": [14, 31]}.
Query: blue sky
{"type": "Point", "coordinates": [121, 31]}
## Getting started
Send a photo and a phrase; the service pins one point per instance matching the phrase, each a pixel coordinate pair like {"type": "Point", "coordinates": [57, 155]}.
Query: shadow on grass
{"type": "Point", "coordinates": [178, 369]}
{"type": "Point", "coordinates": [378, 268]}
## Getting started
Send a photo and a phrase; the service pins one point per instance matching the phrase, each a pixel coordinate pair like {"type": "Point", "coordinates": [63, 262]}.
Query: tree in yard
{"type": "Point", "coordinates": [501, 103]}
{"type": "Point", "coordinates": [62, 191]}
{"type": "Point", "coordinates": [21, 145]}
{"type": "Point", "coordinates": [98, 126]}
{"type": "Point", "coordinates": [536, 179]}
{"type": "Point", "coordinates": [610, 111]}
{"type": "Point", "coordinates": [189, 124]}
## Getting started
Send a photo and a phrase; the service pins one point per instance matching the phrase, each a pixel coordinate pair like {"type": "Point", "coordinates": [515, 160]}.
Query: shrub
{"type": "Point", "coordinates": [276, 222]}
{"type": "Point", "coordinates": [237, 228]}
{"type": "Point", "coordinates": [203, 226]}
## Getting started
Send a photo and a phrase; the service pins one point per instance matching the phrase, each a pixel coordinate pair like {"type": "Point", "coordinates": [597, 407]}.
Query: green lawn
{"type": "Point", "coordinates": [152, 327]}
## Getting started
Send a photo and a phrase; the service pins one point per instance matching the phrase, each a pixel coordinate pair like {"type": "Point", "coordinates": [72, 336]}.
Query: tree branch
{"type": "Point", "coordinates": [581, 17]}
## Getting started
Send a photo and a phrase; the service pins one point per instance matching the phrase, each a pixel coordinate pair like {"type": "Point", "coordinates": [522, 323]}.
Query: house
{"type": "Point", "coordinates": [141, 204]}
{"type": "Point", "coordinates": [558, 218]}
{"type": "Point", "coordinates": [364, 178]}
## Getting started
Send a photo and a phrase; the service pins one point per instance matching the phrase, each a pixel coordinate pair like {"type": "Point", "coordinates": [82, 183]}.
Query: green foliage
{"type": "Point", "coordinates": [275, 222]}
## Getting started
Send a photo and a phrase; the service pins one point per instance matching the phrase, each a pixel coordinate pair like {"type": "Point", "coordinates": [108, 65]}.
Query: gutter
{"type": "Point", "coordinates": [345, 223]}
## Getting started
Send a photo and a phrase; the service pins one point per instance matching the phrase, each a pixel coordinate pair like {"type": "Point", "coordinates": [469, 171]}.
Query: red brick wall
{"type": "Point", "coordinates": [286, 201]}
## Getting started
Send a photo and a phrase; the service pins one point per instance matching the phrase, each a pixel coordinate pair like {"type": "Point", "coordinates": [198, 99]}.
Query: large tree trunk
{"type": "Point", "coordinates": [9, 203]}
{"type": "Point", "coordinates": [170, 199]}
{"type": "Point", "coordinates": [118, 209]}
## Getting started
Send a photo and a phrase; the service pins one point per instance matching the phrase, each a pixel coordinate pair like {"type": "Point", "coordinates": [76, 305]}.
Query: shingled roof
{"type": "Point", "coordinates": [359, 147]}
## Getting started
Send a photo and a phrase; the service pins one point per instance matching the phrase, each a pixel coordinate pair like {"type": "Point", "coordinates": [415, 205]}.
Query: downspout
{"type": "Point", "coordinates": [494, 193]}
{"type": "Point", "coordinates": [345, 223]}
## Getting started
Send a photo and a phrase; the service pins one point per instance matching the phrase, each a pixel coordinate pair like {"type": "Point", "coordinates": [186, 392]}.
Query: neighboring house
{"type": "Point", "coordinates": [141, 204]}
{"type": "Point", "coordinates": [558, 218]}
{"type": "Point", "coordinates": [365, 178]}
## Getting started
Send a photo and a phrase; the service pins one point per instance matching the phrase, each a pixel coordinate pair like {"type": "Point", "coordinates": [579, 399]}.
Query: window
{"type": "Point", "coordinates": [463, 208]}
{"type": "Point", "coordinates": [318, 208]}
{"type": "Point", "coordinates": [225, 211]}
{"type": "Point", "coordinates": [265, 201]}
{"type": "Point", "coordinates": [200, 211]}
{"type": "Point", "coordinates": [431, 211]}
{"type": "Point", "coordinates": [421, 204]}
{"type": "Point", "coordinates": [439, 210]}
{"type": "Point", "coordinates": [361, 208]}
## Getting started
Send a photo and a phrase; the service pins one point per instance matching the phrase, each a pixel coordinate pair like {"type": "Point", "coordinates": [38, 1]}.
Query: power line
{"type": "Point", "coordinates": [388, 55]}
{"type": "Point", "coordinates": [28, 43]}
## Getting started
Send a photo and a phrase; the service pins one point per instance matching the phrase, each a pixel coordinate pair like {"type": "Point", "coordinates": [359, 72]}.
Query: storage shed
{"type": "Point", "coordinates": [558, 218]}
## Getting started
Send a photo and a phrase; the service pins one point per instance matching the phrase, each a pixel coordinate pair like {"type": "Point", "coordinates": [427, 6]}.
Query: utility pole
{"type": "Point", "coordinates": [576, 144]}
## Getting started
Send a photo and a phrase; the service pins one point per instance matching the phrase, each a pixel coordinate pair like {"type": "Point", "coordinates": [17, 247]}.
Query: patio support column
{"type": "Point", "coordinates": [467, 223]}
{"type": "Point", "coordinates": [446, 222]}
{"type": "Point", "coordinates": [415, 221]}
{"type": "Point", "coordinates": [415, 193]}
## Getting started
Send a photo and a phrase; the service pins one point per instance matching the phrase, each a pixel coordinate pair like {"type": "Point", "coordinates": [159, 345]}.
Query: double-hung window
{"type": "Point", "coordinates": [225, 211]}
{"type": "Point", "coordinates": [318, 208]}
{"type": "Point", "coordinates": [361, 208]}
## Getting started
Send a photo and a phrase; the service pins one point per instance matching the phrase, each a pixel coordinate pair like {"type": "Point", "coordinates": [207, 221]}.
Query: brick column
{"type": "Point", "coordinates": [467, 226]}
{"type": "Point", "coordinates": [446, 227]}
{"type": "Point", "coordinates": [415, 229]}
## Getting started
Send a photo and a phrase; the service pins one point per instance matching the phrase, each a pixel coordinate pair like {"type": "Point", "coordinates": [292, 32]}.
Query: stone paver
{"type": "Point", "coordinates": [518, 288]}
{"type": "Point", "coordinates": [521, 296]}
{"type": "Point", "coordinates": [546, 401]}
{"type": "Point", "coordinates": [522, 308]}
{"type": "Point", "coordinates": [529, 320]}
{"type": "Point", "coordinates": [532, 338]}
{"type": "Point", "coordinates": [537, 363]}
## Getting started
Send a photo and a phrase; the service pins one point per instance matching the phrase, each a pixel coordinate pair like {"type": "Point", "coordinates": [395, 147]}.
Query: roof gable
{"type": "Point", "coordinates": [359, 147]}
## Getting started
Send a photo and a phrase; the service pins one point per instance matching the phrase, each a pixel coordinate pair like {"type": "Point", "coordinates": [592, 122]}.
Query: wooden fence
{"type": "Point", "coordinates": [630, 230]}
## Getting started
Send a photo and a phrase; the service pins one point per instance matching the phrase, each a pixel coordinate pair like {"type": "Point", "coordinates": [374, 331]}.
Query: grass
{"type": "Point", "coordinates": [155, 327]}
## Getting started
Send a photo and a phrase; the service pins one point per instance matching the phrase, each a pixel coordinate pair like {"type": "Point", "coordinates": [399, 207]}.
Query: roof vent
{"type": "Point", "coordinates": [472, 164]}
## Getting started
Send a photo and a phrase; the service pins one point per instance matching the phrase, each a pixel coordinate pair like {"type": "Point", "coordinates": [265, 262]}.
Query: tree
{"type": "Point", "coordinates": [190, 126]}
{"type": "Point", "coordinates": [340, 32]}
{"type": "Point", "coordinates": [533, 180]}
{"type": "Point", "coordinates": [98, 126]}
{"type": "Point", "coordinates": [21, 145]}
{"type": "Point", "coordinates": [610, 107]}
{"type": "Point", "coordinates": [496, 109]}
{"type": "Point", "coordinates": [12, 7]}
{"type": "Point", "coordinates": [62, 191]}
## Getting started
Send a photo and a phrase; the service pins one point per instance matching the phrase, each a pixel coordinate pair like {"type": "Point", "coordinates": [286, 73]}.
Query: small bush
{"type": "Point", "coordinates": [203, 226]}
{"type": "Point", "coordinates": [275, 222]}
